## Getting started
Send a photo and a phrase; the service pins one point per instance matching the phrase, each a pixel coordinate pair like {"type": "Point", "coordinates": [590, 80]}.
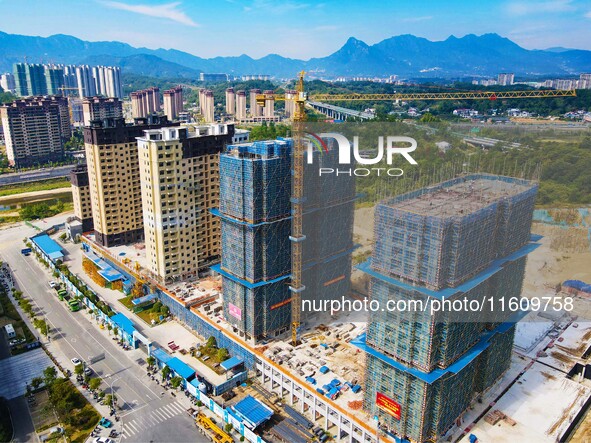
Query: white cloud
{"type": "Point", "coordinates": [520, 8]}
{"type": "Point", "coordinates": [168, 11]}
{"type": "Point", "coordinates": [417, 19]}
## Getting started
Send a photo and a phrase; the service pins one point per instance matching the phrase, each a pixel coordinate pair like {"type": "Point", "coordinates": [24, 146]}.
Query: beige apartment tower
{"type": "Point", "coordinates": [255, 110]}
{"type": "Point", "coordinates": [230, 101]}
{"type": "Point", "coordinates": [173, 102]}
{"type": "Point", "coordinates": [114, 178]}
{"type": "Point", "coordinates": [179, 171]}
{"type": "Point", "coordinates": [240, 105]}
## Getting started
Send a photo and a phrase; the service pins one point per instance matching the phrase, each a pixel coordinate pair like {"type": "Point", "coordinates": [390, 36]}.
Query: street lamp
{"type": "Point", "coordinates": [113, 399]}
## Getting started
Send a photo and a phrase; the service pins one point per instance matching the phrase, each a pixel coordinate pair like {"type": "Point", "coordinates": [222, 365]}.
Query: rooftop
{"type": "Point", "coordinates": [459, 197]}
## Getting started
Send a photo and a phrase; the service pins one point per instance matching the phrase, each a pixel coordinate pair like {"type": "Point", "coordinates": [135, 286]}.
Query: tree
{"type": "Point", "coordinates": [49, 375]}
{"type": "Point", "coordinates": [36, 382]}
{"type": "Point", "coordinates": [176, 381]}
{"type": "Point", "coordinates": [79, 369]}
{"type": "Point", "coordinates": [222, 354]}
{"type": "Point", "coordinates": [165, 372]}
{"type": "Point", "coordinates": [94, 383]}
{"type": "Point", "coordinates": [109, 327]}
{"type": "Point", "coordinates": [115, 331]}
{"type": "Point", "coordinates": [228, 428]}
{"type": "Point", "coordinates": [151, 361]}
{"type": "Point", "coordinates": [165, 310]}
{"type": "Point", "coordinates": [211, 343]}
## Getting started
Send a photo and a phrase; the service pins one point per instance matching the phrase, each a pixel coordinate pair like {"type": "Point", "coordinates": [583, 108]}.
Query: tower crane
{"type": "Point", "coordinates": [299, 117]}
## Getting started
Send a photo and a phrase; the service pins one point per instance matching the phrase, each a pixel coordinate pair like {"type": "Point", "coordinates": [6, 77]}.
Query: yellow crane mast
{"type": "Point", "coordinates": [299, 117]}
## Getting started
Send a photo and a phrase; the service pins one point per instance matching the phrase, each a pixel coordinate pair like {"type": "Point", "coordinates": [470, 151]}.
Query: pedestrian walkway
{"type": "Point", "coordinates": [139, 425]}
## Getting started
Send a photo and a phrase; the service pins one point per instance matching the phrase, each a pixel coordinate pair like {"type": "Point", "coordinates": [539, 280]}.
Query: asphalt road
{"type": "Point", "coordinates": [22, 424]}
{"type": "Point", "coordinates": [148, 414]}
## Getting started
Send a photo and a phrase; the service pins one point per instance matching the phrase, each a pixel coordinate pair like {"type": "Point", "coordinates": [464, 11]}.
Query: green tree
{"type": "Point", "coordinates": [94, 383]}
{"type": "Point", "coordinates": [222, 354]}
{"type": "Point", "coordinates": [211, 343]}
{"type": "Point", "coordinates": [165, 372]}
{"type": "Point", "coordinates": [49, 375]}
{"type": "Point", "coordinates": [176, 381]}
{"type": "Point", "coordinates": [151, 361]}
{"type": "Point", "coordinates": [36, 382]}
{"type": "Point", "coordinates": [228, 428]}
{"type": "Point", "coordinates": [79, 369]}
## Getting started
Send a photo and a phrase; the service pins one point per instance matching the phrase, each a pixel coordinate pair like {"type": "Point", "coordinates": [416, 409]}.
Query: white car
{"type": "Point", "coordinates": [52, 284]}
{"type": "Point", "coordinates": [103, 440]}
{"type": "Point", "coordinates": [76, 361]}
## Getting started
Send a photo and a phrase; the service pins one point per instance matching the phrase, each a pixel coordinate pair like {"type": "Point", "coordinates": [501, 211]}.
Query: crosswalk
{"type": "Point", "coordinates": [139, 425]}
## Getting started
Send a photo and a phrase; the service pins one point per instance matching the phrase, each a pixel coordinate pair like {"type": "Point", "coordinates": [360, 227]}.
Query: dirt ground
{"type": "Point", "coordinates": [565, 254]}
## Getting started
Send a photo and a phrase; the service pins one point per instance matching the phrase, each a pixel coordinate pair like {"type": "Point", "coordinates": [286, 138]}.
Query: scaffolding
{"type": "Point", "coordinates": [463, 239]}
{"type": "Point", "coordinates": [256, 218]}
{"type": "Point", "coordinates": [442, 235]}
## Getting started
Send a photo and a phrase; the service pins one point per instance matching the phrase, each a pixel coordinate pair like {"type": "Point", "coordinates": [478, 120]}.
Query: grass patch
{"type": "Point", "coordinates": [43, 185]}
{"type": "Point", "coordinates": [12, 315]}
{"type": "Point", "coordinates": [146, 315]}
{"type": "Point", "coordinates": [5, 422]}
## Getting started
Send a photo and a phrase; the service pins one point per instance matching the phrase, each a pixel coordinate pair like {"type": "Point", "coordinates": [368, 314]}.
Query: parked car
{"type": "Point", "coordinates": [103, 440]}
{"type": "Point", "coordinates": [105, 423]}
{"type": "Point", "coordinates": [75, 361]}
{"type": "Point", "coordinates": [88, 371]}
{"type": "Point", "coordinates": [53, 284]}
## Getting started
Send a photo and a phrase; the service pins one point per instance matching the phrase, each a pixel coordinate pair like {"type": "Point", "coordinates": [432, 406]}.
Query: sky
{"type": "Point", "coordinates": [297, 29]}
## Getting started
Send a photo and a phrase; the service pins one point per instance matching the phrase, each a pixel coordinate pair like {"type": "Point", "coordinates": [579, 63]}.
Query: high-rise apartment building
{"type": "Point", "coordinates": [179, 171]}
{"type": "Point", "coordinates": [464, 239]}
{"type": "Point", "coordinates": [81, 197]}
{"type": "Point", "coordinates": [240, 105]}
{"type": "Point", "coordinates": [54, 79]}
{"type": "Point", "coordinates": [255, 110]}
{"type": "Point", "coordinates": [30, 79]}
{"type": "Point", "coordinates": [85, 82]}
{"type": "Point", "coordinates": [506, 79]}
{"type": "Point", "coordinates": [585, 81]}
{"type": "Point", "coordinates": [230, 101]}
{"type": "Point", "coordinates": [269, 110]}
{"type": "Point", "coordinates": [173, 102]}
{"type": "Point", "coordinates": [35, 130]}
{"type": "Point", "coordinates": [145, 102]}
{"type": "Point", "coordinates": [7, 82]}
{"type": "Point", "coordinates": [100, 108]}
{"type": "Point", "coordinates": [114, 178]}
{"type": "Point", "coordinates": [207, 106]}
{"type": "Point", "coordinates": [290, 103]}
{"type": "Point", "coordinates": [255, 209]}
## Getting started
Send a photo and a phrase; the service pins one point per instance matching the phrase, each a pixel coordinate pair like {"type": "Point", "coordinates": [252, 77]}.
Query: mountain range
{"type": "Point", "coordinates": [403, 55]}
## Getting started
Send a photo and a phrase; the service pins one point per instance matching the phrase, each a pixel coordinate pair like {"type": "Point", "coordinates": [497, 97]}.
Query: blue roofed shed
{"type": "Point", "coordinates": [181, 368]}
{"type": "Point", "coordinates": [231, 363]}
{"type": "Point", "coordinates": [123, 323]}
{"type": "Point", "coordinates": [48, 246]}
{"type": "Point", "coordinates": [252, 411]}
{"type": "Point", "coordinates": [160, 355]}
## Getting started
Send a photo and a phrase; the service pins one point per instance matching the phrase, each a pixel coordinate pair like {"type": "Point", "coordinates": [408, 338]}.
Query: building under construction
{"type": "Point", "coordinates": [464, 239]}
{"type": "Point", "coordinates": [255, 208]}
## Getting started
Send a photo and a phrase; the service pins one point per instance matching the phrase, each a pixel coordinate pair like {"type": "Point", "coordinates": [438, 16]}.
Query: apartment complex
{"type": "Point", "coordinates": [114, 177]}
{"type": "Point", "coordinates": [38, 79]}
{"type": "Point", "coordinates": [506, 79]}
{"type": "Point", "coordinates": [173, 102]}
{"type": "Point", "coordinates": [7, 82]}
{"type": "Point", "coordinates": [464, 239]}
{"type": "Point", "coordinates": [81, 197]}
{"type": "Point", "coordinates": [100, 108]}
{"type": "Point", "coordinates": [145, 102]}
{"type": "Point", "coordinates": [240, 105]}
{"type": "Point", "coordinates": [35, 130]}
{"type": "Point", "coordinates": [206, 105]}
{"type": "Point", "coordinates": [179, 171]}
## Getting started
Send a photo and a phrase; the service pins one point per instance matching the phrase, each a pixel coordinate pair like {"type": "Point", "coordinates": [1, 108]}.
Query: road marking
{"type": "Point", "coordinates": [178, 407]}
{"type": "Point", "coordinates": [133, 426]}
{"type": "Point", "coordinates": [155, 421]}
{"type": "Point", "coordinates": [157, 411]}
{"type": "Point", "coordinates": [169, 410]}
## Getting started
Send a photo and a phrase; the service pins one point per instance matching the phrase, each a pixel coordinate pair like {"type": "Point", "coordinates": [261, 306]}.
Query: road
{"type": "Point", "coordinates": [148, 413]}
{"type": "Point", "coordinates": [36, 175]}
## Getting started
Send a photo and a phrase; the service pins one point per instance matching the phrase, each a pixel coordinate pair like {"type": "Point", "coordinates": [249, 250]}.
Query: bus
{"type": "Point", "coordinates": [62, 293]}
{"type": "Point", "coordinates": [74, 305]}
